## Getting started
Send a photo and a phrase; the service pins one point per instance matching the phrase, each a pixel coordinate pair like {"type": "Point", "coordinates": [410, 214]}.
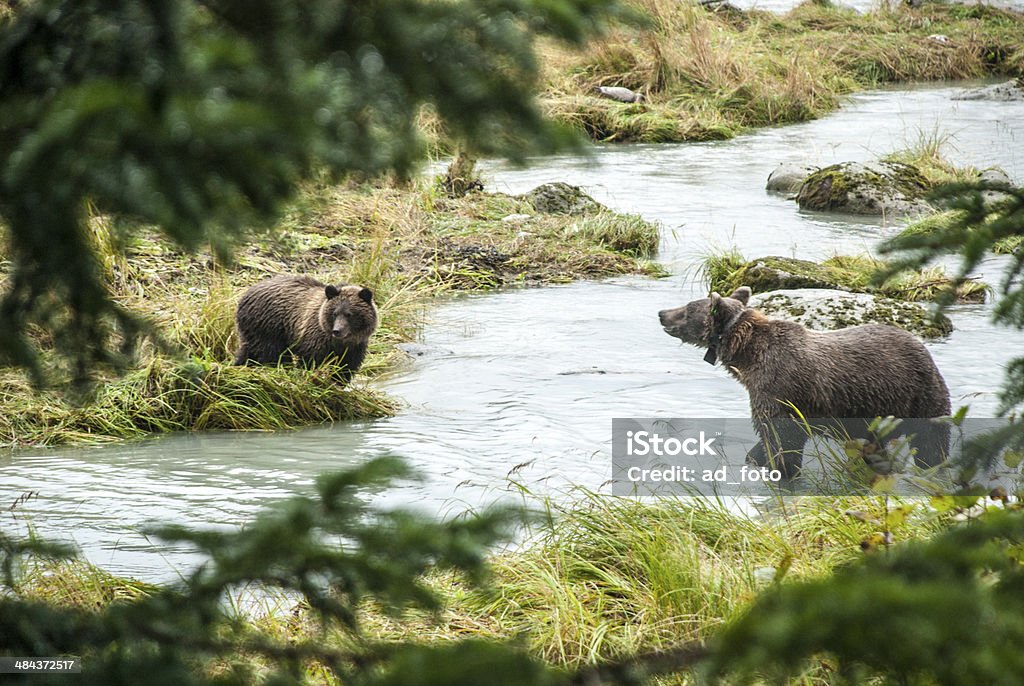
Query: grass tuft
{"type": "Point", "coordinates": [626, 234]}
{"type": "Point", "coordinates": [167, 395]}
{"type": "Point", "coordinates": [928, 156]}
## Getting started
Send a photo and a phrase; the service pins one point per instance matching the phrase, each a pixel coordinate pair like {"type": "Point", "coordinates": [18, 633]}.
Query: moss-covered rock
{"type": "Point", "coordinates": [883, 188]}
{"type": "Point", "coordinates": [561, 198]}
{"type": "Point", "coordinates": [774, 273]}
{"type": "Point", "coordinates": [827, 310]}
{"type": "Point", "coordinates": [853, 273]}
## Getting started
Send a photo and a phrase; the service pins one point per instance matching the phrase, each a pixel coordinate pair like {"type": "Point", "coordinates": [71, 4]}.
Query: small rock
{"type": "Point", "coordinates": [827, 310]}
{"type": "Point", "coordinates": [561, 198]}
{"type": "Point", "coordinates": [788, 177]}
{"type": "Point", "coordinates": [515, 217]}
{"type": "Point", "coordinates": [619, 93]}
{"type": "Point", "coordinates": [876, 188]}
{"type": "Point", "coordinates": [421, 350]}
{"type": "Point", "coordinates": [1011, 91]}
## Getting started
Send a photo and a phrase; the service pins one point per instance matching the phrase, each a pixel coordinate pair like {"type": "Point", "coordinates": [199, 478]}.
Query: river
{"type": "Point", "coordinates": [523, 384]}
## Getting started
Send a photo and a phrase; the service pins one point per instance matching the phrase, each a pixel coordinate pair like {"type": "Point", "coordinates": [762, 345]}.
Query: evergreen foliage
{"type": "Point", "coordinates": [946, 611]}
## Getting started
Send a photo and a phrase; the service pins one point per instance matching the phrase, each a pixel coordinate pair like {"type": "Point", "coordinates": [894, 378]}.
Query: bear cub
{"type": "Point", "coordinates": [860, 372]}
{"type": "Point", "coordinates": [299, 319]}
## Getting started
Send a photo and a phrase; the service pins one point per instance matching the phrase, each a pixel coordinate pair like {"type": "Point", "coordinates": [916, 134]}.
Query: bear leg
{"type": "Point", "coordinates": [242, 356]}
{"type": "Point", "coordinates": [781, 447]}
{"type": "Point", "coordinates": [930, 441]}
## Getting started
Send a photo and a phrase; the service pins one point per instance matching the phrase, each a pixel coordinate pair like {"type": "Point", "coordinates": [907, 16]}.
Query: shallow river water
{"type": "Point", "coordinates": [523, 384]}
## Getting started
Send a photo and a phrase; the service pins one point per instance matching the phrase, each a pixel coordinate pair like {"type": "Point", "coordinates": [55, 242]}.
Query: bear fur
{"type": "Point", "coordinates": [861, 372]}
{"type": "Point", "coordinates": [299, 319]}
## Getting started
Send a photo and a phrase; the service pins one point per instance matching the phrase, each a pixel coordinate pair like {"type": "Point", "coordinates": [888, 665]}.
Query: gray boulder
{"type": "Point", "coordinates": [823, 309]}
{"type": "Point", "coordinates": [875, 188]}
{"type": "Point", "coordinates": [996, 177]}
{"type": "Point", "coordinates": [788, 177]}
{"type": "Point", "coordinates": [561, 198]}
{"type": "Point", "coordinates": [1011, 91]}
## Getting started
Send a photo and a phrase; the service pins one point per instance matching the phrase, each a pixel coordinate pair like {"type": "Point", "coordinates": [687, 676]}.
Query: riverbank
{"type": "Point", "coordinates": [609, 578]}
{"type": "Point", "coordinates": [409, 244]}
{"type": "Point", "coordinates": [709, 75]}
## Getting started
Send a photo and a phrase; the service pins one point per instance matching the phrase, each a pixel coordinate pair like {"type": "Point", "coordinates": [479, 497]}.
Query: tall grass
{"type": "Point", "coordinates": [202, 320]}
{"type": "Point", "coordinates": [611, 577]}
{"type": "Point", "coordinates": [76, 584]}
{"type": "Point", "coordinates": [604, 578]}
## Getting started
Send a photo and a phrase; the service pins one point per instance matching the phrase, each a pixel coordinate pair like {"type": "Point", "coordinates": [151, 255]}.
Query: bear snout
{"type": "Point", "coordinates": [670, 321]}
{"type": "Point", "coordinates": [340, 330]}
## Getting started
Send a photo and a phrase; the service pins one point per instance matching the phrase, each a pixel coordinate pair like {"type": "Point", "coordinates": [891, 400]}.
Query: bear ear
{"type": "Point", "coordinates": [742, 294]}
{"type": "Point", "coordinates": [331, 292]}
{"type": "Point", "coordinates": [716, 299]}
{"type": "Point", "coordinates": [716, 311]}
{"type": "Point", "coordinates": [366, 295]}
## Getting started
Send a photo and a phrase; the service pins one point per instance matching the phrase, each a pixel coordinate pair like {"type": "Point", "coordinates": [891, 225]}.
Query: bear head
{"type": "Point", "coordinates": [348, 314]}
{"type": "Point", "coordinates": [704, 322]}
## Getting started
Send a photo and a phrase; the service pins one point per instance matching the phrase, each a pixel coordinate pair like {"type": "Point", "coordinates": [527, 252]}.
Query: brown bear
{"type": "Point", "coordinates": [299, 319]}
{"type": "Point", "coordinates": [861, 372]}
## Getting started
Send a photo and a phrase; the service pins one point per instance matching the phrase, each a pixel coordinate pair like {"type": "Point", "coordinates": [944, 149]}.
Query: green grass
{"type": "Point", "coordinates": [168, 395]}
{"type": "Point", "coordinates": [604, 578]}
{"type": "Point", "coordinates": [627, 234]}
{"type": "Point", "coordinates": [76, 584]}
{"type": "Point", "coordinates": [718, 266]}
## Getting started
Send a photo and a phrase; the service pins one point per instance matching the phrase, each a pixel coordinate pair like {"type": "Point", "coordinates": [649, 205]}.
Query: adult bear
{"type": "Point", "coordinates": [861, 372]}
{"type": "Point", "coordinates": [299, 319]}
